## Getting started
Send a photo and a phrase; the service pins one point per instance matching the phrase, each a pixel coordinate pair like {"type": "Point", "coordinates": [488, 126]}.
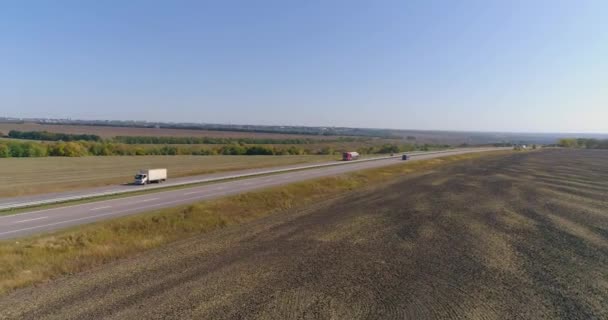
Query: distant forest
{"type": "Point", "coordinates": [51, 136]}
{"type": "Point", "coordinates": [300, 130]}
{"type": "Point", "coordinates": [209, 140]}
{"type": "Point", "coordinates": [584, 143]}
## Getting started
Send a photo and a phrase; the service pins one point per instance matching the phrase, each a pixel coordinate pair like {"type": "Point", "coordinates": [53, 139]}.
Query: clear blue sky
{"type": "Point", "coordinates": [456, 65]}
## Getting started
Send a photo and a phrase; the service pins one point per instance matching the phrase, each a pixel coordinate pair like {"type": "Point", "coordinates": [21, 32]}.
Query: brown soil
{"type": "Point", "coordinates": [522, 236]}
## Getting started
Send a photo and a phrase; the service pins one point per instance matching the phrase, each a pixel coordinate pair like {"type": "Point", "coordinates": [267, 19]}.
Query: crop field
{"type": "Point", "coordinates": [109, 132]}
{"type": "Point", "coordinates": [27, 176]}
{"type": "Point", "coordinates": [517, 236]}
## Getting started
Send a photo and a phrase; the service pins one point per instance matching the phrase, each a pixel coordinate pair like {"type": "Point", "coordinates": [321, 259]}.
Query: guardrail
{"type": "Point", "coordinates": [198, 181]}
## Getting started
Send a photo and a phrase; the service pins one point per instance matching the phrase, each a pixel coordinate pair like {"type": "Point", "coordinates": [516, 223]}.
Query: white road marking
{"type": "Point", "coordinates": [104, 214]}
{"type": "Point", "coordinates": [95, 216]}
{"type": "Point", "coordinates": [56, 223]}
{"type": "Point", "coordinates": [100, 208]}
{"type": "Point", "coordinates": [145, 200]}
{"type": "Point", "coordinates": [26, 220]}
{"type": "Point", "coordinates": [73, 206]}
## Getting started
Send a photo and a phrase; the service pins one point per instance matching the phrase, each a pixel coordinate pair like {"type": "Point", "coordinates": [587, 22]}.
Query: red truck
{"type": "Point", "coordinates": [348, 156]}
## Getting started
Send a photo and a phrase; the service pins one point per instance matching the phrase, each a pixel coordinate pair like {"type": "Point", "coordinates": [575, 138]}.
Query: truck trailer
{"type": "Point", "coordinates": [150, 175]}
{"type": "Point", "coordinates": [348, 156]}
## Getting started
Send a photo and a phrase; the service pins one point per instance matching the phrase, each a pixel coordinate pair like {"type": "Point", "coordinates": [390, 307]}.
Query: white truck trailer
{"type": "Point", "coordinates": [150, 175]}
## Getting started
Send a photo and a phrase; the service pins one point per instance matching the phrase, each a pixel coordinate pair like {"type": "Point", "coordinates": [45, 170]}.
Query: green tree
{"type": "Point", "coordinates": [327, 150]}
{"type": "Point", "coordinates": [36, 150]}
{"type": "Point", "coordinates": [16, 150]}
{"type": "Point", "coordinates": [568, 143]}
{"type": "Point", "coordinates": [388, 148]}
{"type": "Point", "coordinates": [74, 149]}
{"type": "Point", "coordinates": [5, 152]}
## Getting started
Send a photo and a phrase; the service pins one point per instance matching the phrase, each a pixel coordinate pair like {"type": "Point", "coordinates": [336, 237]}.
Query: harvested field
{"type": "Point", "coordinates": [518, 236]}
{"type": "Point", "coordinates": [109, 132]}
{"type": "Point", "coordinates": [27, 176]}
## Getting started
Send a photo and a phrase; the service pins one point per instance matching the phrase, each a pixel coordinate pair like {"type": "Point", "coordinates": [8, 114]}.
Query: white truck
{"type": "Point", "coordinates": [151, 175]}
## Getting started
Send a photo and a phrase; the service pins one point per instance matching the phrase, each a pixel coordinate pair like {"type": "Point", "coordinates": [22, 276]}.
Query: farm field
{"type": "Point", "coordinates": [27, 176]}
{"type": "Point", "coordinates": [109, 132]}
{"type": "Point", "coordinates": [517, 236]}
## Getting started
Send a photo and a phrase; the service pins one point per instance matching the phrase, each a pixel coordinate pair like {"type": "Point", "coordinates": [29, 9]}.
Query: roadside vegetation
{"type": "Point", "coordinates": [73, 145]}
{"type": "Point", "coordinates": [36, 259]}
{"type": "Point", "coordinates": [583, 143]}
{"type": "Point", "coordinates": [54, 136]}
{"type": "Point", "coordinates": [51, 136]}
{"type": "Point", "coordinates": [210, 140]}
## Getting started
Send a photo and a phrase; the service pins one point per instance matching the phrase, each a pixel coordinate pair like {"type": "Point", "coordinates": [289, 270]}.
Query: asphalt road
{"type": "Point", "coordinates": [28, 223]}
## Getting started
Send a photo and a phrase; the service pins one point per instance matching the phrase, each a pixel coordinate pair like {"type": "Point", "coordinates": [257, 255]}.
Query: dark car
{"type": "Point", "coordinates": [405, 157]}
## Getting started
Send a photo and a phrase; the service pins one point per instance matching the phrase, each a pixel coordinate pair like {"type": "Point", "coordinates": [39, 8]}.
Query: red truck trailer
{"type": "Point", "coordinates": [348, 156]}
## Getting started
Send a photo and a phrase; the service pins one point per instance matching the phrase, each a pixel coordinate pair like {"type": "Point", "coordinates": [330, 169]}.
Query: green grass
{"type": "Point", "coordinates": [29, 176]}
{"type": "Point", "coordinates": [35, 259]}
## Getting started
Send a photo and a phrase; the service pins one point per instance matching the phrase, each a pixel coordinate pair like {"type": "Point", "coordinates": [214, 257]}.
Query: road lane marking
{"type": "Point", "coordinates": [210, 192]}
{"type": "Point", "coordinates": [142, 201]}
{"type": "Point", "coordinates": [76, 205]}
{"type": "Point", "coordinates": [95, 216]}
{"type": "Point", "coordinates": [56, 223]}
{"type": "Point", "coordinates": [27, 220]}
{"type": "Point", "coordinates": [100, 208]}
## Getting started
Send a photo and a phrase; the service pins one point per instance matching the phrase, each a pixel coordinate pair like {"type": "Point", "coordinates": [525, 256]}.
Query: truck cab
{"type": "Point", "coordinates": [141, 178]}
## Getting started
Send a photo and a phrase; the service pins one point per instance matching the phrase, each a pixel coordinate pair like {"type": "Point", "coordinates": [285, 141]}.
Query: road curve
{"type": "Point", "coordinates": [39, 221]}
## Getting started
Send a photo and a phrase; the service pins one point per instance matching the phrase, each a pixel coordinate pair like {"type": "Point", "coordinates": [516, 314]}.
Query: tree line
{"type": "Point", "coordinates": [311, 131]}
{"type": "Point", "coordinates": [583, 143]}
{"type": "Point", "coordinates": [12, 148]}
{"type": "Point", "coordinates": [210, 140]}
{"type": "Point", "coordinates": [51, 136]}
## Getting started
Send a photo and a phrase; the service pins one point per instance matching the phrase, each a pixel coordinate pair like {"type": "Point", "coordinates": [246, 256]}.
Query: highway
{"type": "Point", "coordinates": [47, 220]}
{"type": "Point", "coordinates": [86, 193]}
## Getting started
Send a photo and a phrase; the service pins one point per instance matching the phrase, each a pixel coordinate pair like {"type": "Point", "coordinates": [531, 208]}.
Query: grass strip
{"type": "Point", "coordinates": [36, 259]}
